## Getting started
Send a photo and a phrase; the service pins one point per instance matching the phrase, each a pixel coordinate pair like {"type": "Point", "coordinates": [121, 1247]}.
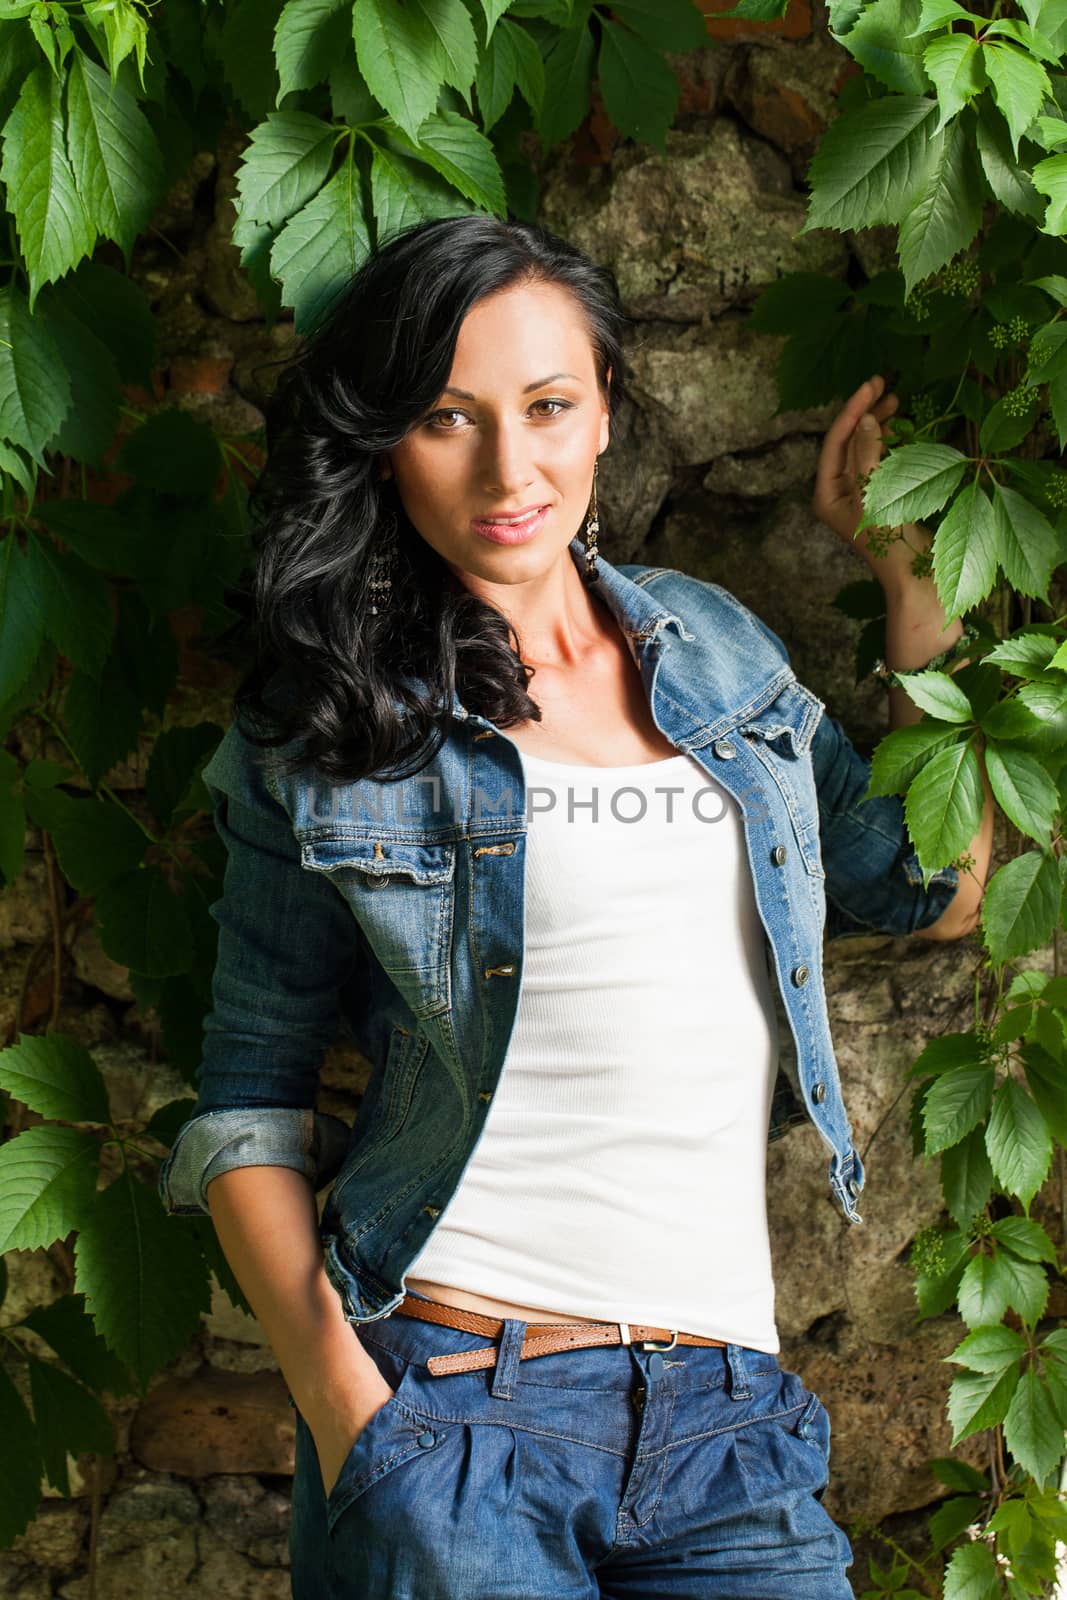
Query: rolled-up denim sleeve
{"type": "Point", "coordinates": [287, 945]}
{"type": "Point", "coordinates": [874, 883]}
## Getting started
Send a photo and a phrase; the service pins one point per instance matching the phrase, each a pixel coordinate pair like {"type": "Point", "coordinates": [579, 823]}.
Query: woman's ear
{"type": "Point", "coordinates": [385, 469]}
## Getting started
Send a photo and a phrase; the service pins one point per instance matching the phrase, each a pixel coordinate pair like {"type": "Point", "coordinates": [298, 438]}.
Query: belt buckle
{"type": "Point", "coordinates": [651, 1344]}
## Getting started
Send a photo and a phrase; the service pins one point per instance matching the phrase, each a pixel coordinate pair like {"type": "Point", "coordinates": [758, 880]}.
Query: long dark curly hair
{"type": "Point", "coordinates": [352, 693]}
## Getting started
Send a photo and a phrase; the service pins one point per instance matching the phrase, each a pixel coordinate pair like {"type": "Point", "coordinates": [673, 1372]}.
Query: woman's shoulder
{"type": "Point", "coordinates": [708, 610]}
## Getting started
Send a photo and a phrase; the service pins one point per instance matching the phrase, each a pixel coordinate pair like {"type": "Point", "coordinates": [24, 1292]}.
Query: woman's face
{"type": "Point", "coordinates": [497, 476]}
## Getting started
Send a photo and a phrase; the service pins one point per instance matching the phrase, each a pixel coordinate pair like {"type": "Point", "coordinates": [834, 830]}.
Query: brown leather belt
{"type": "Point", "coordinates": [542, 1338]}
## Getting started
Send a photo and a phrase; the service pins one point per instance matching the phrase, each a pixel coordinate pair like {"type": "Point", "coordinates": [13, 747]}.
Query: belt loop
{"type": "Point", "coordinates": [739, 1385]}
{"type": "Point", "coordinates": [508, 1355]}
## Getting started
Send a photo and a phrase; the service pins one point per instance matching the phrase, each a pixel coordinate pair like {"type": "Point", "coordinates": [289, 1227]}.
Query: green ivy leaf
{"type": "Point", "coordinates": [247, 52]}
{"type": "Point", "coordinates": [89, 427]}
{"type": "Point", "coordinates": [943, 806]}
{"type": "Point", "coordinates": [792, 304]}
{"type": "Point", "coordinates": [959, 1475]}
{"type": "Point", "coordinates": [990, 1349]}
{"type": "Point", "coordinates": [453, 146]}
{"type": "Point", "coordinates": [73, 602]}
{"type": "Point", "coordinates": [96, 841]}
{"type": "Point", "coordinates": [870, 165]}
{"type": "Point", "coordinates": [966, 1177]}
{"type": "Point", "coordinates": [144, 925]}
{"type": "Point", "coordinates": [965, 551]}
{"type": "Point", "coordinates": [319, 250]}
{"type": "Point", "coordinates": [20, 1464]}
{"type": "Point", "coordinates": [56, 1077]}
{"type": "Point", "coordinates": [1021, 905]}
{"type": "Point", "coordinates": [912, 482]}
{"type": "Point", "coordinates": [493, 10]}
{"type": "Point", "coordinates": [1050, 177]}
{"type": "Point", "coordinates": [66, 1327]}
{"type": "Point", "coordinates": [173, 453]}
{"type": "Point", "coordinates": [569, 67]}
{"type": "Point", "coordinates": [400, 59]}
{"type": "Point", "coordinates": [1025, 655]}
{"type": "Point", "coordinates": [901, 755]}
{"type": "Point", "coordinates": [951, 1518]}
{"type": "Point", "coordinates": [956, 1101]}
{"type": "Point", "coordinates": [511, 59]}
{"type": "Point", "coordinates": [47, 1182]}
{"type": "Point", "coordinates": [285, 164]}
{"type": "Point", "coordinates": [675, 25]}
{"type": "Point", "coordinates": [144, 1280]}
{"type": "Point", "coordinates": [1026, 542]}
{"type": "Point", "coordinates": [69, 1420]}
{"type": "Point", "coordinates": [101, 718]}
{"type": "Point", "coordinates": [972, 1574]}
{"type": "Point", "coordinates": [54, 228]}
{"type": "Point", "coordinates": [114, 153]}
{"type": "Point", "coordinates": [1018, 1141]}
{"type": "Point", "coordinates": [1025, 1238]}
{"type": "Point", "coordinates": [991, 1283]}
{"type": "Point", "coordinates": [1047, 1082]}
{"type": "Point", "coordinates": [946, 213]}
{"type": "Point", "coordinates": [404, 192]}
{"type": "Point", "coordinates": [640, 91]}
{"type": "Point", "coordinates": [1032, 1432]}
{"type": "Point", "coordinates": [22, 634]}
{"type": "Point", "coordinates": [35, 391]}
{"type": "Point", "coordinates": [954, 62]}
{"type": "Point", "coordinates": [12, 834]}
{"type": "Point", "coordinates": [1010, 182]}
{"type": "Point", "coordinates": [979, 1400]}
{"type": "Point", "coordinates": [881, 41]}
{"type": "Point", "coordinates": [309, 37]}
{"type": "Point", "coordinates": [1020, 85]}
{"type": "Point", "coordinates": [115, 308]}
{"type": "Point", "coordinates": [1022, 789]}
{"type": "Point", "coordinates": [939, 694]}
{"type": "Point", "coordinates": [177, 756]}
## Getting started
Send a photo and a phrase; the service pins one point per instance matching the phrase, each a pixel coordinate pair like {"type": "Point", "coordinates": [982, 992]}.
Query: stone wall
{"type": "Point", "coordinates": [702, 475]}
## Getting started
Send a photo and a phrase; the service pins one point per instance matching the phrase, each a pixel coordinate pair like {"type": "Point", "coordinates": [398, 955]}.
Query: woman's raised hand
{"type": "Point", "coordinates": [850, 451]}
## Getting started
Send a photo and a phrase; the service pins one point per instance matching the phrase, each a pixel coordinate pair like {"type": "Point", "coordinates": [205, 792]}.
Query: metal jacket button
{"type": "Point", "coordinates": [425, 1439]}
{"type": "Point", "coordinates": [818, 1094]}
{"type": "Point", "coordinates": [724, 749]}
{"type": "Point", "coordinates": [778, 854]}
{"type": "Point", "coordinates": [800, 976]}
{"type": "Point", "coordinates": [853, 1188]}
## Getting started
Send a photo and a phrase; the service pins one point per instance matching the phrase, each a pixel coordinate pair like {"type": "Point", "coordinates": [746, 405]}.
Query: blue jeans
{"type": "Point", "coordinates": [612, 1473]}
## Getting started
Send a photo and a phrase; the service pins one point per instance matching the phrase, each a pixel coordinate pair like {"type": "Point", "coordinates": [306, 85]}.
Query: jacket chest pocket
{"type": "Point", "coordinates": [779, 737]}
{"type": "Point", "coordinates": [402, 895]}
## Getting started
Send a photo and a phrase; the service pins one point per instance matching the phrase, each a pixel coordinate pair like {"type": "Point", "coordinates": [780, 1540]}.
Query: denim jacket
{"type": "Point", "coordinates": [395, 911]}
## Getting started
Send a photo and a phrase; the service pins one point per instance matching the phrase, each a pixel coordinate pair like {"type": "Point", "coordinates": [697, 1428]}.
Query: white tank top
{"type": "Point", "coordinates": [621, 1170]}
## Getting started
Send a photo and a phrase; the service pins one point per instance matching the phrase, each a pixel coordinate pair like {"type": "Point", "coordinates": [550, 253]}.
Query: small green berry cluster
{"type": "Point", "coordinates": [927, 1255]}
{"type": "Point", "coordinates": [960, 277]}
{"type": "Point", "coordinates": [924, 409]}
{"type": "Point", "coordinates": [880, 539]}
{"type": "Point", "coordinates": [1056, 489]}
{"type": "Point", "coordinates": [981, 1225]}
{"type": "Point", "coordinates": [1015, 331]}
{"type": "Point", "coordinates": [1018, 402]}
{"type": "Point", "coordinates": [917, 303]}
{"type": "Point", "coordinates": [964, 862]}
{"type": "Point", "coordinates": [922, 563]}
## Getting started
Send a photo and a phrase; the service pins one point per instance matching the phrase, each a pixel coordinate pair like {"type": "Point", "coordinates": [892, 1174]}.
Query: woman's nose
{"type": "Point", "coordinates": [506, 465]}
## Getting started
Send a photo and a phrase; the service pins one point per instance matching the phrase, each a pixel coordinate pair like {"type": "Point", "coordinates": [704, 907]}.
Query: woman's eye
{"type": "Point", "coordinates": [437, 420]}
{"type": "Point", "coordinates": [560, 405]}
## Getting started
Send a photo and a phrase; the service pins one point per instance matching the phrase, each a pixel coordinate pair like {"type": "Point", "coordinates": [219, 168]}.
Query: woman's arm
{"type": "Point", "coordinates": [916, 628]}
{"type": "Point", "coordinates": [267, 1225]}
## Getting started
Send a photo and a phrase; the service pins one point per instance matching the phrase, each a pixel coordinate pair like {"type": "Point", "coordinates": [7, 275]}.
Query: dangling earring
{"type": "Point", "coordinates": [380, 584]}
{"type": "Point", "coordinates": [592, 528]}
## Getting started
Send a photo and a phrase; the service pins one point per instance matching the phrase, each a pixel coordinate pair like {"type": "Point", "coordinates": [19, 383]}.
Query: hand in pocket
{"type": "Point", "coordinates": [336, 1429]}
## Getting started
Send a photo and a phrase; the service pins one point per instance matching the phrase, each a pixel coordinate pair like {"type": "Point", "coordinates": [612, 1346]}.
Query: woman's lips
{"type": "Point", "coordinates": [517, 530]}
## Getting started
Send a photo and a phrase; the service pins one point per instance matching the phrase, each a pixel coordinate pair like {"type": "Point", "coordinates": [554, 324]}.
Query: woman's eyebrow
{"type": "Point", "coordinates": [465, 394]}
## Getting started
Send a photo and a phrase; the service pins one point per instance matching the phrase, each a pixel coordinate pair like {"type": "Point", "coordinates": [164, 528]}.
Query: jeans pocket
{"type": "Point", "coordinates": [395, 1434]}
{"type": "Point", "coordinates": [813, 1426]}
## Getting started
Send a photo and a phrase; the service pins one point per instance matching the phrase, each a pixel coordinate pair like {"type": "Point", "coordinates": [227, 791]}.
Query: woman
{"type": "Point", "coordinates": [538, 1355]}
